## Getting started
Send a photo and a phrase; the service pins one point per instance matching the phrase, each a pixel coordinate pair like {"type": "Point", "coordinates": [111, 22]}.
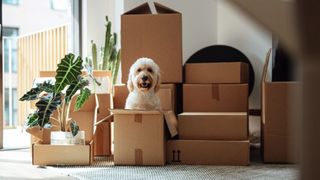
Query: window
{"type": "Point", "coordinates": [6, 107]}
{"type": "Point", "coordinates": [59, 5]}
{"type": "Point", "coordinates": [10, 49]}
{"type": "Point", "coordinates": [13, 2]}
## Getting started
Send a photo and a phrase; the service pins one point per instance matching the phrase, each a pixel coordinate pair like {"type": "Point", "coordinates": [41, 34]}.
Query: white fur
{"type": "Point", "coordinates": [140, 98]}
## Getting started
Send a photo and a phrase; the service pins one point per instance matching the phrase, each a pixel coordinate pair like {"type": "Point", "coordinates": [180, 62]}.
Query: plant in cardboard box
{"type": "Point", "coordinates": [54, 101]}
{"type": "Point", "coordinates": [109, 55]}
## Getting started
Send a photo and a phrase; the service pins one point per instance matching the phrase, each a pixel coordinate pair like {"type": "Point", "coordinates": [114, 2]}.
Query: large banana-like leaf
{"type": "Point", "coordinates": [46, 106]}
{"type": "Point", "coordinates": [67, 72]}
{"type": "Point", "coordinates": [84, 95]}
{"type": "Point", "coordinates": [33, 94]}
{"type": "Point", "coordinates": [33, 119]}
{"type": "Point", "coordinates": [74, 87]}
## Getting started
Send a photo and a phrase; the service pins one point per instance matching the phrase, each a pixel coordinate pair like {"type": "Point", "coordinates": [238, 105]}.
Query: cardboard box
{"type": "Point", "coordinates": [120, 94]}
{"type": "Point", "coordinates": [215, 97]}
{"type": "Point", "coordinates": [168, 95]}
{"type": "Point", "coordinates": [45, 154]}
{"type": "Point", "coordinates": [157, 36]}
{"type": "Point", "coordinates": [220, 72]}
{"type": "Point", "coordinates": [102, 137]}
{"type": "Point", "coordinates": [213, 126]}
{"type": "Point", "coordinates": [280, 118]}
{"type": "Point", "coordinates": [138, 138]}
{"type": "Point", "coordinates": [204, 152]}
{"type": "Point", "coordinates": [86, 117]}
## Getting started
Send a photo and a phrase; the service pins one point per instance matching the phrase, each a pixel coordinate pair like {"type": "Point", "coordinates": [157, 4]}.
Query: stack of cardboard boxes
{"type": "Point", "coordinates": [139, 136]}
{"type": "Point", "coordinates": [213, 128]}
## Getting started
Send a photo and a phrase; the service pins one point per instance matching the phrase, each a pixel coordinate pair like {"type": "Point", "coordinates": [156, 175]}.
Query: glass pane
{"type": "Point", "coordinates": [15, 2]}
{"type": "Point", "coordinates": [6, 108]}
{"type": "Point", "coordinates": [14, 106]}
{"type": "Point", "coordinates": [6, 54]}
{"type": "Point", "coordinates": [10, 31]}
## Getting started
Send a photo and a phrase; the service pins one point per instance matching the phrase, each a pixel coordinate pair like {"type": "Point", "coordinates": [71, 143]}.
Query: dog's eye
{"type": "Point", "coordinates": [150, 70]}
{"type": "Point", "coordinates": [139, 70]}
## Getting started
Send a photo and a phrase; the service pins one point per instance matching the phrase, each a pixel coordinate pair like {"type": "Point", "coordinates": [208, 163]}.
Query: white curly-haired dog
{"type": "Point", "coordinates": [143, 84]}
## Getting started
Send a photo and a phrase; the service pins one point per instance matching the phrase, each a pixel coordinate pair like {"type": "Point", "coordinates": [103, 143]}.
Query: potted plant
{"type": "Point", "coordinates": [107, 61]}
{"type": "Point", "coordinates": [57, 98]}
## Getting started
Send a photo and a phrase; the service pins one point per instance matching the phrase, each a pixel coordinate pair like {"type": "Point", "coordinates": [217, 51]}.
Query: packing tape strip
{"type": "Point", "coordinates": [138, 118]}
{"type": "Point", "coordinates": [215, 92]}
{"type": "Point", "coordinates": [138, 156]}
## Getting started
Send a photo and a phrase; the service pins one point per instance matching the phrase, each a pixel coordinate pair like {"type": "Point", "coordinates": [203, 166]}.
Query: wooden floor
{"type": "Point", "coordinates": [16, 164]}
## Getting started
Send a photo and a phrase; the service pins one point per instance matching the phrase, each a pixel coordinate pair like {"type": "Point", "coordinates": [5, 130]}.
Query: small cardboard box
{"type": "Point", "coordinates": [215, 97]}
{"type": "Point", "coordinates": [102, 136]}
{"type": "Point", "coordinates": [220, 72]}
{"type": "Point", "coordinates": [168, 97]}
{"type": "Point", "coordinates": [280, 117]}
{"type": "Point", "coordinates": [157, 36]}
{"type": "Point", "coordinates": [45, 154]}
{"type": "Point", "coordinates": [204, 152]}
{"type": "Point", "coordinates": [213, 126]}
{"type": "Point", "coordinates": [138, 137]}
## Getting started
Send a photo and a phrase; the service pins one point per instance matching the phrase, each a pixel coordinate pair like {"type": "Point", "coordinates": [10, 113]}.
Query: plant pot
{"type": "Point", "coordinates": [39, 135]}
{"type": "Point", "coordinates": [105, 78]}
{"type": "Point", "coordinates": [66, 138]}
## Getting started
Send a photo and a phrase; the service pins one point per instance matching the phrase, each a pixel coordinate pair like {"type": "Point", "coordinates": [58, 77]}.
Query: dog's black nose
{"type": "Point", "coordinates": [144, 78]}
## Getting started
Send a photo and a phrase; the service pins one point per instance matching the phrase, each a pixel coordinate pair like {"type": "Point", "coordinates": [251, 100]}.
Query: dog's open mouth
{"type": "Point", "coordinates": [144, 85]}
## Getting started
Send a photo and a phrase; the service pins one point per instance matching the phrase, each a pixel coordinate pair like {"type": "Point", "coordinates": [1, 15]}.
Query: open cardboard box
{"type": "Point", "coordinates": [46, 154]}
{"type": "Point", "coordinates": [168, 94]}
{"type": "Point", "coordinates": [102, 136]}
{"type": "Point", "coordinates": [138, 137]}
{"type": "Point", "coordinates": [157, 36]}
{"type": "Point", "coordinates": [280, 116]}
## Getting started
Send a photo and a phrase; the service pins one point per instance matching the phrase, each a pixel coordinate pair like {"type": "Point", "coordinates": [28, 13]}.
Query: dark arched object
{"type": "Point", "coordinates": [222, 53]}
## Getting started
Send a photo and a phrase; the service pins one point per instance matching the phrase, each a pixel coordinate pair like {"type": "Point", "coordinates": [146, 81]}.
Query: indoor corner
{"type": "Point", "coordinates": [159, 89]}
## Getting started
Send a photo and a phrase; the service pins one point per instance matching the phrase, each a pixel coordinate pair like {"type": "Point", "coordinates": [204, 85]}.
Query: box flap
{"type": "Point", "coordinates": [129, 111]}
{"type": "Point", "coordinates": [213, 113]}
{"type": "Point", "coordinates": [161, 9]}
{"type": "Point", "coordinates": [172, 123]}
{"type": "Point", "coordinates": [142, 9]}
{"type": "Point", "coordinates": [265, 67]}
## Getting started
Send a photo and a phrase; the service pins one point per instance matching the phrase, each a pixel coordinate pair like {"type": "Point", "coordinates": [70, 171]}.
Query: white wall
{"type": "Point", "coordinates": [93, 22]}
{"type": "Point", "coordinates": [32, 16]}
{"type": "Point", "coordinates": [199, 19]}
{"type": "Point", "coordinates": [236, 29]}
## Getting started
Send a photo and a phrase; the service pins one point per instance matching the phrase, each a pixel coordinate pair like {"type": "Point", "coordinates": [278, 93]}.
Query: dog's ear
{"type": "Point", "coordinates": [130, 83]}
{"type": "Point", "coordinates": [158, 83]}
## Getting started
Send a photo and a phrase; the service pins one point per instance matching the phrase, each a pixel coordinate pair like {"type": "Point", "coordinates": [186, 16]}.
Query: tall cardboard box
{"type": "Point", "coordinates": [280, 117]}
{"type": "Point", "coordinates": [219, 72]}
{"type": "Point", "coordinates": [215, 97]}
{"type": "Point", "coordinates": [157, 36]}
{"type": "Point", "coordinates": [204, 152]}
{"type": "Point", "coordinates": [213, 125]}
{"type": "Point", "coordinates": [138, 137]}
{"type": "Point", "coordinates": [168, 94]}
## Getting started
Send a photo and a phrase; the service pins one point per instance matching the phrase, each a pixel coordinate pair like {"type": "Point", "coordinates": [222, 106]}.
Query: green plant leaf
{"type": "Point", "coordinates": [74, 128]}
{"type": "Point", "coordinates": [116, 68]}
{"type": "Point", "coordinates": [74, 87]}
{"type": "Point", "coordinates": [46, 106]}
{"type": "Point", "coordinates": [84, 95]}
{"type": "Point", "coordinates": [67, 72]}
{"type": "Point", "coordinates": [33, 94]}
{"type": "Point", "coordinates": [33, 119]}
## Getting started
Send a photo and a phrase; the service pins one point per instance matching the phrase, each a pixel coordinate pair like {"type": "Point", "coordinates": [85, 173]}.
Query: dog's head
{"type": "Point", "coordinates": [144, 76]}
